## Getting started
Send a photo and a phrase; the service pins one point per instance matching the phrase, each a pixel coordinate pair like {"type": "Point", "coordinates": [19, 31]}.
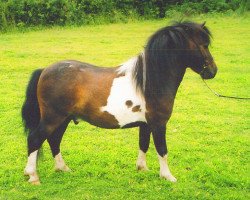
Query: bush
{"type": "Point", "coordinates": [204, 6]}
{"type": "Point", "coordinates": [23, 13]}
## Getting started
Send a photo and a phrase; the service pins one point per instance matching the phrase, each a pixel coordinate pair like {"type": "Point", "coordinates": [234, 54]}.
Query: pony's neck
{"type": "Point", "coordinates": [155, 83]}
{"type": "Point", "coordinates": [174, 80]}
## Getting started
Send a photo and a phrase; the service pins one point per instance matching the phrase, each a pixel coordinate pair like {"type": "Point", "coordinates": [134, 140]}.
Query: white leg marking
{"type": "Point", "coordinates": [164, 169]}
{"type": "Point", "coordinates": [60, 164]}
{"type": "Point", "coordinates": [141, 161]}
{"type": "Point", "coordinates": [31, 164]}
{"type": "Point", "coordinates": [30, 169]}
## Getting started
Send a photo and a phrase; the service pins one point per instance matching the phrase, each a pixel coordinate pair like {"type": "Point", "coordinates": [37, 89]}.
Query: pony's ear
{"type": "Point", "coordinates": [203, 24]}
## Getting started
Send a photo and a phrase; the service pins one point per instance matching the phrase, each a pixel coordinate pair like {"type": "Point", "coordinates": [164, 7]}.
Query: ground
{"type": "Point", "coordinates": [207, 136]}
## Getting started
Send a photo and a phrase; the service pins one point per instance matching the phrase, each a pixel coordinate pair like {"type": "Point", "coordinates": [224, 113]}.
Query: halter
{"type": "Point", "coordinates": [207, 61]}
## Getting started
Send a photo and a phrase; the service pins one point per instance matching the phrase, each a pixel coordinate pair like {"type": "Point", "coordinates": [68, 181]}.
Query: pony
{"type": "Point", "coordinates": [138, 93]}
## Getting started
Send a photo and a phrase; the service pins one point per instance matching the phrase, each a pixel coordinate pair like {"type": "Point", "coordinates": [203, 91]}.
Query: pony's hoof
{"type": "Point", "coordinates": [35, 183]}
{"type": "Point", "coordinates": [28, 171]}
{"type": "Point", "coordinates": [34, 179]}
{"type": "Point", "coordinates": [169, 177]}
{"type": "Point", "coordinates": [172, 179]}
{"type": "Point", "coordinates": [141, 167]}
{"type": "Point", "coordinates": [25, 173]}
{"type": "Point", "coordinates": [65, 168]}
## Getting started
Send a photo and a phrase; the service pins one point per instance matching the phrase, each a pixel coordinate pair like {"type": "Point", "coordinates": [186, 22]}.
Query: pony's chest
{"type": "Point", "coordinates": [124, 103]}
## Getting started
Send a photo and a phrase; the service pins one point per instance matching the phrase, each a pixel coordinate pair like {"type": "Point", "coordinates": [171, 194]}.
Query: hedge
{"type": "Point", "coordinates": [24, 13]}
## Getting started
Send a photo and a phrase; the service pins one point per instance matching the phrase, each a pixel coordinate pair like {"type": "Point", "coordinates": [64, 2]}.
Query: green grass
{"type": "Point", "coordinates": [208, 137]}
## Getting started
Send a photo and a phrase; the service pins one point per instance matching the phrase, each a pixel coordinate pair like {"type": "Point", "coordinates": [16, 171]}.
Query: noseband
{"type": "Point", "coordinates": [206, 63]}
{"type": "Point", "coordinates": [207, 60]}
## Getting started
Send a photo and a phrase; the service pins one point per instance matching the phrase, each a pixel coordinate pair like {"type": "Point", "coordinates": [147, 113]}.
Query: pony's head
{"type": "Point", "coordinates": [184, 44]}
{"type": "Point", "coordinates": [169, 52]}
{"type": "Point", "coordinates": [198, 56]}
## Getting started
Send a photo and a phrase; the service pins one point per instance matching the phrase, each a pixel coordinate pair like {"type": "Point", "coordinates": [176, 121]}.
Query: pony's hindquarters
{"type": "Point", "coordinates": [40, 127]}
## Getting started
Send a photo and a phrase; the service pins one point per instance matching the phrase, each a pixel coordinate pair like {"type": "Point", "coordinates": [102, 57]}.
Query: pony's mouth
{"type": "Point", "coordinates": [209, 72]}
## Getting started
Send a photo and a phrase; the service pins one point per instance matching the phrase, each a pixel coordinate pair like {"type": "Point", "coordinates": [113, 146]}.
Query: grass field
{"type": "Point", "coordinates": [208, 137]}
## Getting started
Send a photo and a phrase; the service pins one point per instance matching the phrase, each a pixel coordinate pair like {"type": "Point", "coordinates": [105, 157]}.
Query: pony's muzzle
{"type": "Point", "coordinates": [209, 72]}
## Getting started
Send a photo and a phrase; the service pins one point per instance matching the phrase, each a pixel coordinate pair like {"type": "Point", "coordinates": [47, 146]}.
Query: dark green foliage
{"type": "Point", "coordinates": [205, 6]}
{"type": "Point", "coordinates": [22, 13]}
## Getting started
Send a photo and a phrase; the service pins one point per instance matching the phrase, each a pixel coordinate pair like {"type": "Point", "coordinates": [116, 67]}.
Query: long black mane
{"type": "Point", "coordinates": [164, 56]}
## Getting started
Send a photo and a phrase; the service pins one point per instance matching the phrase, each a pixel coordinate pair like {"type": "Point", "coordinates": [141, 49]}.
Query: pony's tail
{"type": "Point", "coordinates": [30, 109]}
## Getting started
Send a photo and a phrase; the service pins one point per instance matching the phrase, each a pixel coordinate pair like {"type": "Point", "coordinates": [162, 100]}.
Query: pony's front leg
{"type": "Point", "coordinates": [144, 139]}
{"type": "Point", "coordinates": [159, 135]}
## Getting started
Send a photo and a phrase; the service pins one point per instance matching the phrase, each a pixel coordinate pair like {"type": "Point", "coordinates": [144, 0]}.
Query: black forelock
{"type": "Point", "coordinates": [193, 28]}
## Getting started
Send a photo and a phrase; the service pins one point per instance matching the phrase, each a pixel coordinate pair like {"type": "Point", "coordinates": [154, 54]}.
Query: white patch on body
{"type": "Point", "coordinates": [141, 161]}
{"type": "Point", "coordinates": [123, 89]}
{"type": "Point", "coordinates": [30, 168]}
{"type": "Point", "coordinates": [60, 164]}
{"type": "Point", "coordinates": [164, 169]}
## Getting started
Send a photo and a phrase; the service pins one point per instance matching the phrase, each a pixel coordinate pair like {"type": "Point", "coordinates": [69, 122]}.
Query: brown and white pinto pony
{"type": "Point", "coordinates": [139, 93]}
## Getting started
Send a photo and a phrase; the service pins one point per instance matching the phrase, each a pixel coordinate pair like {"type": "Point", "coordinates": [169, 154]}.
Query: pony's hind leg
{"type": "Point", "coordinates": [30, 169]}
{"type": "Point", "coordinates": [144, 139]}
{"type": "Point", "coordinates": [35, 141]}
{"type": "Point", "coordinates": [54, 141]}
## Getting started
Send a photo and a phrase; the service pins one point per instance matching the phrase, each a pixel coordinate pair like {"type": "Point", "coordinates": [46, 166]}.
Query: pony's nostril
{"type": "Point", "coordinates": [208, 74]}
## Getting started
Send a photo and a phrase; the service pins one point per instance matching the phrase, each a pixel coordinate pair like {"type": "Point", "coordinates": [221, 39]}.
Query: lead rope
{"type": "Point", "coordinates": [214, 92]}
{"type": "Point", "coordinates": [224, 96]}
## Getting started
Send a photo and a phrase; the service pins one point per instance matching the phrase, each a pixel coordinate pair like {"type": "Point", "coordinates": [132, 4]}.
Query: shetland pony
{"type": "Point", "coordinates": [139, 93]}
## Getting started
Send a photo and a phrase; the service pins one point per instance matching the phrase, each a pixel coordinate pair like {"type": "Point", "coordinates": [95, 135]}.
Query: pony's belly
{"type": "Point", "coordinates": [124, 103]}
{"type": "Point", "coordinates": [125, 115]}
